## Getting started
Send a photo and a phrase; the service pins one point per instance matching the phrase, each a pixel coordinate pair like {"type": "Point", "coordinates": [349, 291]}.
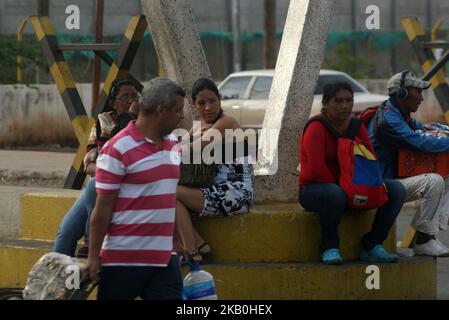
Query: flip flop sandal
{"type": "Point", "coordinates": [332, 257]}
{"type": "Point", "coordinates": [378, 254]}
{"type": "Point", "coordinates": [192, 257]}
{"type": "Point", "coordinates": [201, 246]}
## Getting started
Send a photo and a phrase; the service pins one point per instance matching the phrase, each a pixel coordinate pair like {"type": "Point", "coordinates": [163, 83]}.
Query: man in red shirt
{"type": "Point", "coordinates": [137, 174]}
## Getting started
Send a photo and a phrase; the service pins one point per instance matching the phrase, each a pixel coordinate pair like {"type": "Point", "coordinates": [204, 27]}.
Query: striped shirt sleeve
{"type": "Point", "coordinates": [110, 170]}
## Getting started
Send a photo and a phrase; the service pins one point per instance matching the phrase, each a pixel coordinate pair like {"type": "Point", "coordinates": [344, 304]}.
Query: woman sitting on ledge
{"type": "Point", "coordinates": [232, 189]}
{"type": "Point", "coordinates": [122, 97]}
{"type": "Point", "coordinates": [319, 188]}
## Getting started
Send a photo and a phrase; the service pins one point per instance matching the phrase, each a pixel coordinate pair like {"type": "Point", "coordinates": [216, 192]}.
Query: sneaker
{"type": "Point", "coordinates": [83, 252]}
{"type": "Point", "coordinates": [431, 248]}
{"type": "Point", "coordinates": [378, 254]}
{"type": "Point", "coordinates": [446, 249]}
{"type": "Point", "coordinates": [332, 257]}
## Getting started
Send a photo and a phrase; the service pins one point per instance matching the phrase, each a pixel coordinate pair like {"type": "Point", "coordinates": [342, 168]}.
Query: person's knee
{"type": "Point", "coordinates": [180, 193]}
{"type": "Point", "coordinates": [69, 235]}
{"type": "Point", "coordinates": [434, 183]}
{"type": "Point", "coordinates": [396, 190]}
{"type": "Point", "coordinates": [181, 210]}
{"type": "Point", "coordinates": [335, 196]}
{"type": "Point", "coordinates": [179, 207]}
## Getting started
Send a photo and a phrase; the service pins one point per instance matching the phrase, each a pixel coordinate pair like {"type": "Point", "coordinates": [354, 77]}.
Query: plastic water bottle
{"type": "Point", "coordinates": [198, 284]}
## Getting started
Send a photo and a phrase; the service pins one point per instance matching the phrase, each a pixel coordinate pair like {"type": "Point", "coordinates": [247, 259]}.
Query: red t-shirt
{"type": "Point", "coordinates": [318, 154]}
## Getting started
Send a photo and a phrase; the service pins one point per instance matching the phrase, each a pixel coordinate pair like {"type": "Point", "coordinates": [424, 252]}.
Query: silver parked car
{"type": "Point", "coordinates": [245, 94]}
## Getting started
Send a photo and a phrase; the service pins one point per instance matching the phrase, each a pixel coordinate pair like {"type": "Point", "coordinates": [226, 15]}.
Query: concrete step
{"type": "Point", "coordinates": [42, 212]}
{"type": "Point", "coordinates": [281, 232]}
{"type": "Point", "coordinates": [411, 278]}
{"type": "Point", "coordinates": [276, 232]}
{"type": "Point", "coordinates": [10, 213]}
{"type": "Point", "coordinates": [17, 257]}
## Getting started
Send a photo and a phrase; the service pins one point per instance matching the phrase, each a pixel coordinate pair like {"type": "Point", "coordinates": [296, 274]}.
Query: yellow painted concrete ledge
{"type": "Point", "coordinates": [411, 278]}
{"type": "Point", "coordinates": [277, 232]}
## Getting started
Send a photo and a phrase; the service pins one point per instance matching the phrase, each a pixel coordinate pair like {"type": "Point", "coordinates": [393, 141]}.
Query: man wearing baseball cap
{"type": "Point", "coordinates": [392, 128]}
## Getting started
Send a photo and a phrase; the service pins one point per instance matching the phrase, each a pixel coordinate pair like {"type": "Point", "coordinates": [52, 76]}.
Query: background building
{"type": "Point", "coordinates": [351, 48]}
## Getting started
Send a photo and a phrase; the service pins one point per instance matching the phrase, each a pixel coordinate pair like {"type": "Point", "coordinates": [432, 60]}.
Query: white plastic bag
{"type": "Point", "coordinates": [53, 277]}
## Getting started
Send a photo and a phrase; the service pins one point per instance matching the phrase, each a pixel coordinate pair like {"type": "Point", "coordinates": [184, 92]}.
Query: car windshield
{"type": "Point", "coordinates": [261, 88]}
{"type": "Point", "coordinates": [325, 79]}
{"type": "Point", "coordinates": [235, 88]}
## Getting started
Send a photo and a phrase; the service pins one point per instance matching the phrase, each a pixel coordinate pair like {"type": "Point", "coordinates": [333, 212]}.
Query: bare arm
{"type": "Point", "coordinates": [225, 122]}
{"type": "Point", "coordinates": [90, 170]}
{"type": "Point", "coordinates": [99, 225]}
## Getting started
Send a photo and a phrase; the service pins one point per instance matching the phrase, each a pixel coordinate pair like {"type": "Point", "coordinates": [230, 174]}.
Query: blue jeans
{"type": "Point", "coordinates": [149, 283]}
{"type": "Point", "coordinates": [76, 222]}
{"type": "Point", "coordinates": [329, 200]}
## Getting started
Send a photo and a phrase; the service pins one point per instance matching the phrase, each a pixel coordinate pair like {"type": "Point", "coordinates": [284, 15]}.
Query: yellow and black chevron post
{"type": "Point", "coordinates": [125, 56]}
{"type": "Point", "coordinates": [22, 26]}
{"type": "Point", "coordinates": [426, 58]}
{"type": "Point", "coordinates": [60, 71]}
{"type": "Point", "coordinates": [62, 76]}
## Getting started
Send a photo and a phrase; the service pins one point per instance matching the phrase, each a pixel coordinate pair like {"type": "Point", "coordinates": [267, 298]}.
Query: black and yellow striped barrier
{"type": "Point", "coordinates": [427, 60]}
{"type": "Point", "coordinates": [62, 76]}
{"type": "Point", "coordinates": [125, 56]}
{"type": "Point", "coordinates": [60, 71]}
{"type": "Point", "coordinates": [20, 60]}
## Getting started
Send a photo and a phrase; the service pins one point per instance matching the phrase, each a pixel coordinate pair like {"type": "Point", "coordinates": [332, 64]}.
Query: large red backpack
{"type": "Point", "coordinates": [360, 176]}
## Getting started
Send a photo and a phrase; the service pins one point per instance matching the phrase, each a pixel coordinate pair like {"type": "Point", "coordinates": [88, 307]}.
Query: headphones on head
{"type": "Point", "coordinates": [402, 93]}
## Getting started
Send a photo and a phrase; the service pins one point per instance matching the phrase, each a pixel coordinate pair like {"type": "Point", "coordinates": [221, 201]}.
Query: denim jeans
{"type": "Point", "coordinates": [76, 222]}
{"type": "Point", "coordinates": [149, 283]}
{"type": "Point", "coordinates": [329, 200]}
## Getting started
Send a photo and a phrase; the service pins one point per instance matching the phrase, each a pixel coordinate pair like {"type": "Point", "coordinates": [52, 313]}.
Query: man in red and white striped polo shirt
{"type": "Point", "coordinates": [137, 174]}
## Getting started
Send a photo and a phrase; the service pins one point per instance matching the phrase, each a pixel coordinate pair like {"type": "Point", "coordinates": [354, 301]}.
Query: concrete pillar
{"type": "Point", "coordinates": [297, 69]}
{"type": "Point", "coordinates": [178, 46]}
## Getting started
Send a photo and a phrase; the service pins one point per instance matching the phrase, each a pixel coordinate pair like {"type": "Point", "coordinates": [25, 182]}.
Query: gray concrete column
{"type": "Point", "coordinates": [290, 101]}
{"type": "Point", "coordinates": [178, 46]}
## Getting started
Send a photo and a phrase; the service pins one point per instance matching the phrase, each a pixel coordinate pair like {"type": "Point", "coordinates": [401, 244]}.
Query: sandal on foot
{"type": "Point", "coordinates": [378, 254]}
{"type": "Point", "coordinates": [185, 258]}
{"type": "Point", "coordinates": [332, 257]}
{"type": "Point", "coordinates": [204, 253]}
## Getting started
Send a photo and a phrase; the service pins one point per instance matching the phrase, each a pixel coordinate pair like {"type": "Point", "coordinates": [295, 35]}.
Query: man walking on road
{"type": "Point", "coordinates": [137, 174]}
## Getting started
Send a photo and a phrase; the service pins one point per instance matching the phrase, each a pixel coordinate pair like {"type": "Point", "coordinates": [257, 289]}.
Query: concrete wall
{"type": "Point", "coordinates": [31, 115]}
{"type": "Point", "coordinates": [36, 115]}
{"type": "Point", "coordinates": [214, 15]}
